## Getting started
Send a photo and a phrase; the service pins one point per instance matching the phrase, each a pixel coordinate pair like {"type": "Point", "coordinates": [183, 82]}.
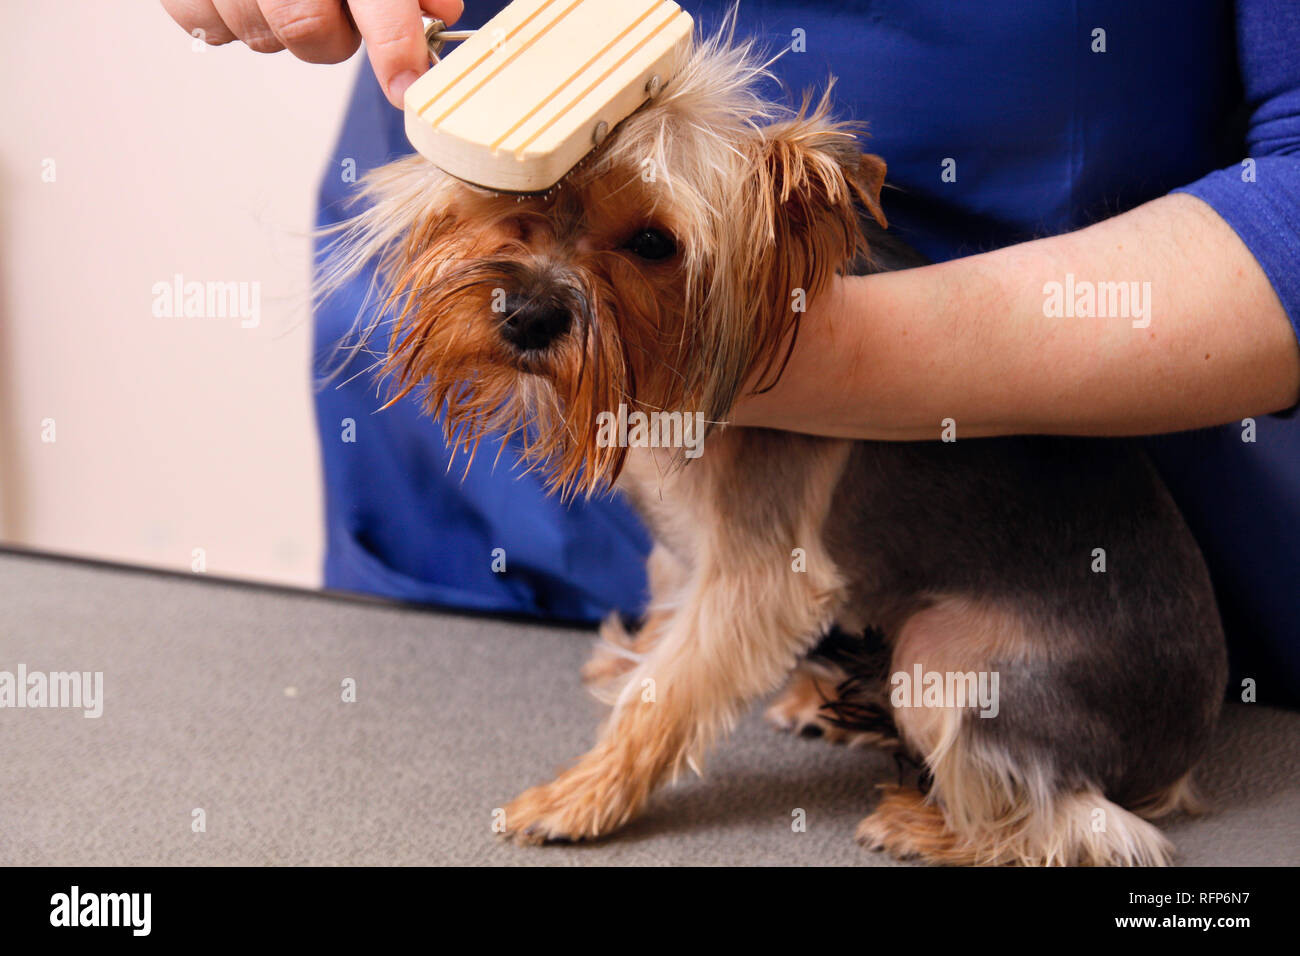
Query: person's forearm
{"type": "Point", "coordinates": [891, 356]}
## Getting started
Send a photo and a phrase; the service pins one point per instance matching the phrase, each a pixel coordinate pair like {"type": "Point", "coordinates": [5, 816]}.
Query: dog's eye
{"type": "Point", "coordinates": [651, 245]}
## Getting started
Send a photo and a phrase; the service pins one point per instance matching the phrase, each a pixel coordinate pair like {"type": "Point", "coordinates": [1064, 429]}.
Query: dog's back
{"type": "Point", "coordinates": [1056, 570]}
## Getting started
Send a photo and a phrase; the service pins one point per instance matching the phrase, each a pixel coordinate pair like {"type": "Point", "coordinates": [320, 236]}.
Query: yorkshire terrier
{"type": "Point", "coordinates": [659, 276]}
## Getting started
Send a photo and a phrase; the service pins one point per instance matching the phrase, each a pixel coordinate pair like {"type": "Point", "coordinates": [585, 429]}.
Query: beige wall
{"type": "Point", "coordinates": [170, 433]}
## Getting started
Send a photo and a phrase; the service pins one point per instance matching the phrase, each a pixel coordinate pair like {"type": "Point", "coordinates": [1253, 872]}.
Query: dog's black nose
{"type": "Point", "coordinates": [531, 323]}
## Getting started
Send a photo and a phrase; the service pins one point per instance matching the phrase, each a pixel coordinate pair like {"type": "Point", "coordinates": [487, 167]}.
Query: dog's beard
{"type": "Point", "coordinates": [445, 346]}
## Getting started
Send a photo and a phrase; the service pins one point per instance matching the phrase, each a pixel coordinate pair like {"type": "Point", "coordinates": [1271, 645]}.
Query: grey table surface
{"type": "Point", "coordinates": [227, 698]}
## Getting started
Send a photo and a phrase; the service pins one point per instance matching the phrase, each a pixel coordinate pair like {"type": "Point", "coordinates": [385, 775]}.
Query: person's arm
{"type": "Point", "coordinates": [891, 356]}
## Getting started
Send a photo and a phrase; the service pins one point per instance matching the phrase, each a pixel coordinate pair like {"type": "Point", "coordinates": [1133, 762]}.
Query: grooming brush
{"type": "Point", "coordinates": [520, 102]}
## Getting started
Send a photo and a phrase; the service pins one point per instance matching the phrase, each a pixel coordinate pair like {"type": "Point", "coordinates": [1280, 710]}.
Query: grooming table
{"type": "Point", "coordinates": [227, 697]}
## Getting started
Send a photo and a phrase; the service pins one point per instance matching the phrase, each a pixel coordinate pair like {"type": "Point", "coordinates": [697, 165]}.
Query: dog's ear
{"type": "Point", "coordinates": [795, 224]}
{"type": "Point", "coordinates": [867, 180]}
{"type": "Point", "coordinates": [399, 208]}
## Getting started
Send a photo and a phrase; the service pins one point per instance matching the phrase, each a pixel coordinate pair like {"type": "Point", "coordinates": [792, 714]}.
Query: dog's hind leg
{"type": "Point", "coordinates": [995, 799]}
{"type": "Point", "coordinates": [1076, 829]}
{"type": "Point", "coordinates": [801, 707]}
{"type": "Point", "coordinates": [809, 703]}
{"type": "Point", "coordinates": [837, 693]}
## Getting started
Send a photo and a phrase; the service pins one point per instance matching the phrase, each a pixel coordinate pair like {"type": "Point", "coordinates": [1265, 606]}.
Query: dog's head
{"type": "Point", "coordinates": [666, 273]}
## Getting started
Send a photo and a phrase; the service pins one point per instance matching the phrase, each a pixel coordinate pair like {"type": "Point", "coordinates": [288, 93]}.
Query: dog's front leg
{"type": "Point", "coordinates": [746, 618]}
{"type": "Point", "coordinates": [737, 638]}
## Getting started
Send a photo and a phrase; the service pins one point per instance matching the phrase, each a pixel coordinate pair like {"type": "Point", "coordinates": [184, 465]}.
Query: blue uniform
{"type": "Point", "coordinates": [1051, 116]}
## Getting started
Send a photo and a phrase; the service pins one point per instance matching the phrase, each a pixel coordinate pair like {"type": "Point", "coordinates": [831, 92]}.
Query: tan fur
{"type": "Point", "coordinates": [954, 635]}
{"type": "Point", "coordinates": [959, 634]}
{"type": "Point", "coordinates": [765, 204]}
{"type": "Point", "coordinates": [719, 651]}
{"type": "Point", "coordinates": [688, 332]}
{"type": "Point", "coordinates": [617, 652]}
{"type": "Point", "coordinates": [910, 826]}
{"type": "Point", "coordinates": [1181, 797]}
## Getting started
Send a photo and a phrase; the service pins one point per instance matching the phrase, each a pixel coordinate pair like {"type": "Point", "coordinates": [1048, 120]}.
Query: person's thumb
{"type": "Point", "coordinates": [394, 35]}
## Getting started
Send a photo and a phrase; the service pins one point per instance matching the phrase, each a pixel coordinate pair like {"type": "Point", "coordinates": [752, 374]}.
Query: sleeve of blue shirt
{"type": "Point", "coordinates": [1260, 196]}
{"type": "Point", "coordinates": [1239, 485]}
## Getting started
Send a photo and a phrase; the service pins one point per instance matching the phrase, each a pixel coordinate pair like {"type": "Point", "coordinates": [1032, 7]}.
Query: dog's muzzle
{"type": "Point", "coordinates": [532, 323]}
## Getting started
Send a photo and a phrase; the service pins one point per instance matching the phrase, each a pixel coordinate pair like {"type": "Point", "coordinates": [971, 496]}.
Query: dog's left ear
{"type": "Point", "coordinates": [814, 183]}
{"type": "Point", "coordinates": [794, 222]}
{"type": "Point", "coordinates": [810, 187]}
{"type": "Point", "coordinates": [867, 181]}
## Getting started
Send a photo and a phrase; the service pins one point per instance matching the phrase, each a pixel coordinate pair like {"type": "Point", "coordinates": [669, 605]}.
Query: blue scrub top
{"type": "Point", "coordinates": [1046, 133]}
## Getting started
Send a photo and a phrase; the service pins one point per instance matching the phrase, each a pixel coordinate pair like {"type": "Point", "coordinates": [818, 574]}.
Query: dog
{"type": "Point", "coordinates": [658, 277]}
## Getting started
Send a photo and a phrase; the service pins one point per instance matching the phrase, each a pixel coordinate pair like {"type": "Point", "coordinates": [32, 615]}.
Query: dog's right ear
{"type": "Point", "coordinates": [401, 205]}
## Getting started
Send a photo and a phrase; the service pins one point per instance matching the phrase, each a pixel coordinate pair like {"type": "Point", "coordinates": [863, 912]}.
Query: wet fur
{"type": "Point", "coordinates": [973, 555]}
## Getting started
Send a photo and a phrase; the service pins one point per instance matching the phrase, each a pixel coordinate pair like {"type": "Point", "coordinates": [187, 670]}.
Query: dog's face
{"type": "Point", "coordinates": [667, 272]}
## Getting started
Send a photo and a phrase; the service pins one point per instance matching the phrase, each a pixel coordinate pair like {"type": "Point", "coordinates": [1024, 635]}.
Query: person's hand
{"type": "Point", "coordinates": [325, 31]}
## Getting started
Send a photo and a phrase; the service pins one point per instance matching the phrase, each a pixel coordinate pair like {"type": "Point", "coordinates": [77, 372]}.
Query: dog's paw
{"type": "Point", "coordinates": [565, 811]}
{"type": "Point", "coordinates": [801, 709]}
{"type": "Point", "coordinates": [591, 799]}
{"type": "Point", "coordinates": [908, 826]}
{"type": "Point", "coordinates": [536, 817]}
{"type": "Point", "coordinates": [903, 826]}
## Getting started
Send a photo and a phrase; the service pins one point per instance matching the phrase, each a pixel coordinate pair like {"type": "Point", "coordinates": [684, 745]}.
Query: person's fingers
{"type": "Point", "coordinates": [394, 35]}
{"type": "Point", "coordinates": [246, 21]}
{"type": "Point", "coordinates": [200, 17]}
{"type": "Point", "coordinates": [318, 31]}
{"type": "Point", "coordinates": [321, 31]}
{"type": "Point", "coordinates": [448, 11]}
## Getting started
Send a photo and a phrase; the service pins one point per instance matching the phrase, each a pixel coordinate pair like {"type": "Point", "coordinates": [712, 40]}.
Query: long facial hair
{"type": "Point", "coordinates": [762, 203]}
{"type": "Point", "coordinates": [444, 344]}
